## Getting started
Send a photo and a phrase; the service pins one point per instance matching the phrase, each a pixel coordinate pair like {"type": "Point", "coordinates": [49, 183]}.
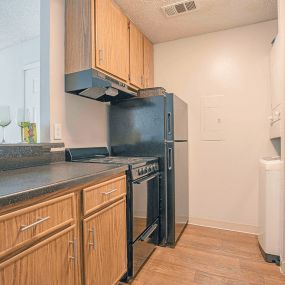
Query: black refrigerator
{"type": "Point", "coordinates": [157, 126]}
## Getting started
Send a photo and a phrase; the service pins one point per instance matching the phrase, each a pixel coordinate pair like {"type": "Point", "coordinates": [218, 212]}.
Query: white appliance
{"type": "Point", "coordinates": [276, 88]}
{"type": "Point", "coordinates": [270, 182]}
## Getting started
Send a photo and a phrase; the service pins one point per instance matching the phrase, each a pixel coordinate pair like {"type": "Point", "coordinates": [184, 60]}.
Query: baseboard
{"type": "Point", "coordinates": [282, 267]}
{"type": "Point", "coordinates": [249, 229]}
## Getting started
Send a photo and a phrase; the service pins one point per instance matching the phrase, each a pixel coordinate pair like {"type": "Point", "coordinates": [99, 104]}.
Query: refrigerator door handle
{"type": "Point", "coordinates": [170, 158]}
{"type": "Point", "coordinates": [169, 123]}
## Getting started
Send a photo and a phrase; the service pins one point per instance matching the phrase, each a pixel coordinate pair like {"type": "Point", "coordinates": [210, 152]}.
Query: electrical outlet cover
{"type": "Point", "coordinates": [57, 132]}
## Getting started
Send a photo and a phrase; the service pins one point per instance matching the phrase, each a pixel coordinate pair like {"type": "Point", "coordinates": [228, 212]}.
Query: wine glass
{"type": "Point", "coordinates": [23, 116]}
{"type": "Point", "coordinates": [5, 119]}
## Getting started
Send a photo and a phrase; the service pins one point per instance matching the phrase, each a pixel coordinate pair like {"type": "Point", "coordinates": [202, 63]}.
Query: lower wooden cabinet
{"type": "Point", "coordinates": [60, 242]}
{"type": "Point", "coordinates": [51, 262]}
{"type": "Point", "coordinates": [105, 255]}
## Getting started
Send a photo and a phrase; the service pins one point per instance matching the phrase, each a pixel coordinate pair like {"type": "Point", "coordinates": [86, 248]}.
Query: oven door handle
{"type": "Point", "coordinates": [140, 181]}
{"type": "Point", "coordinates": [149, 232]}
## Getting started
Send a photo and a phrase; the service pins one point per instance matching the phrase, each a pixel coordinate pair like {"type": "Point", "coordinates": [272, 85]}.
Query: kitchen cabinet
{"type": "Point", "coordinates": [99, 195]}
{"type": "Point", "coordinates": [99, 36]}
{"type": "Point", "coordinates": [136, 57]}
{"type": "Point", "coordinates": [148, 64]}
{"type": "Point", "coordinates": [112, 39]}
{"type": "Point", "coordinates": [96, 36]}
{"type": "Point", "coordinates": [31, 223]}
{"type": "Point", "coordinates": [44, 241]}
{"type": "Point", "coordinates": [105, 245]}
{"type": "Point", "coordinates": [53, 261]}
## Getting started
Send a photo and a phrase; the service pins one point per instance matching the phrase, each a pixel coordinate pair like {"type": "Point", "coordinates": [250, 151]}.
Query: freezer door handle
{"type": "Point", "coordinates": [170, 158]}
{"type": "Point", "coordinates": [169, 123]}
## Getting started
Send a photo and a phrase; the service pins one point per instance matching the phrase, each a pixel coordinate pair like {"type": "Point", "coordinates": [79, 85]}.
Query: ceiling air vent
{"type": "Point", "coordinates": [179, 8]}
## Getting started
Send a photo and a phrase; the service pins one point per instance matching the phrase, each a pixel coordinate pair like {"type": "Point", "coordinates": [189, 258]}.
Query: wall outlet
{"type": "Point", "coordinates": [57, 132]}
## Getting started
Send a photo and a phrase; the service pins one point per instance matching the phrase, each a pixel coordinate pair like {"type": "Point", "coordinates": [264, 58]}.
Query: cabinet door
{"type": "Point", "coordinates": [105, 245]}
{"type": "Point", "coordinates": [54, 261]}
{"type": "Point", "coordinates": [136, 56]}
{"type": "Point", "coordinates": [112, 39]}
{"type": "Point", "coordinates": [148, 64]}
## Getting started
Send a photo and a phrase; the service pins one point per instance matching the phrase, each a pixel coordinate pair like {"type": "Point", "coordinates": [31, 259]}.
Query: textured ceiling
{"type": "Point", "coordinates": [213, 15]}
{"type": "Point", "coordinates": [19, 21]}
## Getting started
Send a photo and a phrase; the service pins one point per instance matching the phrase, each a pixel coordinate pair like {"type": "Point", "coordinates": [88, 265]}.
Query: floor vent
{"type": "Point", "coordinates": [179, 8]}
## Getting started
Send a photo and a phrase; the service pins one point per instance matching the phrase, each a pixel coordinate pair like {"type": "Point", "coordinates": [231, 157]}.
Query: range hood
{"type": "Point", "coordinates": [95, 85]}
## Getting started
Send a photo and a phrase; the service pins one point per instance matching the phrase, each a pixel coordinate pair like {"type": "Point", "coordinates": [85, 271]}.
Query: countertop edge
{"type": "Point", "coordinates": [25, 195]}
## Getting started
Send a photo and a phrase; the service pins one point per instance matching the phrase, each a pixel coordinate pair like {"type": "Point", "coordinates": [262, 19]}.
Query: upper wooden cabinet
{"type": "Point", "coordinates": [112, 39]}
{"type": "Point", "coordinates": [98, 35]}
{"type": "Point", "coordinates": [148, 64]}
{"type": "Point", "coordinates": [136, 57]}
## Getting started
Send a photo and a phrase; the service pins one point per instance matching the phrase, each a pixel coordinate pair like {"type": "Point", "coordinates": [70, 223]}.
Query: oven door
{"type": "Point", "coordinates": [143, 247]}
{"type": "Point", "coordinates": [145, 206]}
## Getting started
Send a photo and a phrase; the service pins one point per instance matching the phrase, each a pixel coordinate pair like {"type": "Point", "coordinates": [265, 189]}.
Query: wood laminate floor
{"type": "Point", "coordinates": [205, 256]}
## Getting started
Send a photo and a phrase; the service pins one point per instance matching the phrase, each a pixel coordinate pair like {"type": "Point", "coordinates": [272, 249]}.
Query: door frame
{"type": "Point", "coordinates": [27, 67]}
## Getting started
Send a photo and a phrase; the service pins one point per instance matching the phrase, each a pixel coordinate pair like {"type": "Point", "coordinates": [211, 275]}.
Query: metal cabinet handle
{"type": "Point", "coordinates": [75, 251]}
{"type": "Point", "coordinates": [37, 222]}
{"type": "Point", "coordinates": [110, 192]}
{"type": "Point", "coordinates": [93, 243]}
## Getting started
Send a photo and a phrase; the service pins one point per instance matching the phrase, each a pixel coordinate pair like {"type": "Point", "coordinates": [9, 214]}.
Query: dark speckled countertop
{"type": "Point", "coordinates": [23, 184]}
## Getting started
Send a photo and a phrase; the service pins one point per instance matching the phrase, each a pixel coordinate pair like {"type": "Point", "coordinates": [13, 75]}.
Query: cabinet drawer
{"type": "Point", "coordinates": [101, 194]}
{"type": "Point", "coordinates": [25, 225]}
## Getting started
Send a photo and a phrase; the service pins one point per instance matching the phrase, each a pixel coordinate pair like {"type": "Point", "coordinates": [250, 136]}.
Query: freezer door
{"type": "Point", "coordinates": [137, 126]}
{"type": "Point", "coordinates": [181, 185]}
{"type": "Point", "coordinates": [176, 119]}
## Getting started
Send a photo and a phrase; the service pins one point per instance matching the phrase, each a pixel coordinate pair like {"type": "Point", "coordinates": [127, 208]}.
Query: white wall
{"type": "Point", "coordinates": [12, 62]}
{"type": "Point", "coordinates": [84, 121]}
{"type": "Point", "coordinates": [234, 63]}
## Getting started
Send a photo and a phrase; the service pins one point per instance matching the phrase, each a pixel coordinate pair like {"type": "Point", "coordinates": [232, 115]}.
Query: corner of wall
{"type": "Point", "coordinates": [45, 70]}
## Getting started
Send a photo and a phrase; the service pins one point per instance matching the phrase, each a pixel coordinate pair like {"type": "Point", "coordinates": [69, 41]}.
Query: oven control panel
{"type": "Point", "coordinates": [145, 170]}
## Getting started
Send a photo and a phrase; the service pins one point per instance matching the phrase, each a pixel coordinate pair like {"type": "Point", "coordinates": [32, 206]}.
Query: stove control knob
{"type": "Point", "coordinates": [150, 168]}
{"type": "Point", "coordinates": [145, 170]}
{"type": "Point", "coordinates": [140, 171]}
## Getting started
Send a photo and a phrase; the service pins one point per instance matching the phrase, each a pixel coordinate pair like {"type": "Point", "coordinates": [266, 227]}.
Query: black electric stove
{"type": "Point", "coordinates": [139, 167]}
{"type": "Point", "coordinates": [143, 179]}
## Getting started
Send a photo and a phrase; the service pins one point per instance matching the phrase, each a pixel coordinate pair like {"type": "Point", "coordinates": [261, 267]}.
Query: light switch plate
{"type": "Point", "coordinates": [57, 132]}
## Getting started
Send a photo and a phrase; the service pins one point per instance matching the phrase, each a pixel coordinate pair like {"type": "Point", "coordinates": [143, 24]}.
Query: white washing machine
{"type": "Point", "coordinates": [270, 185]}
